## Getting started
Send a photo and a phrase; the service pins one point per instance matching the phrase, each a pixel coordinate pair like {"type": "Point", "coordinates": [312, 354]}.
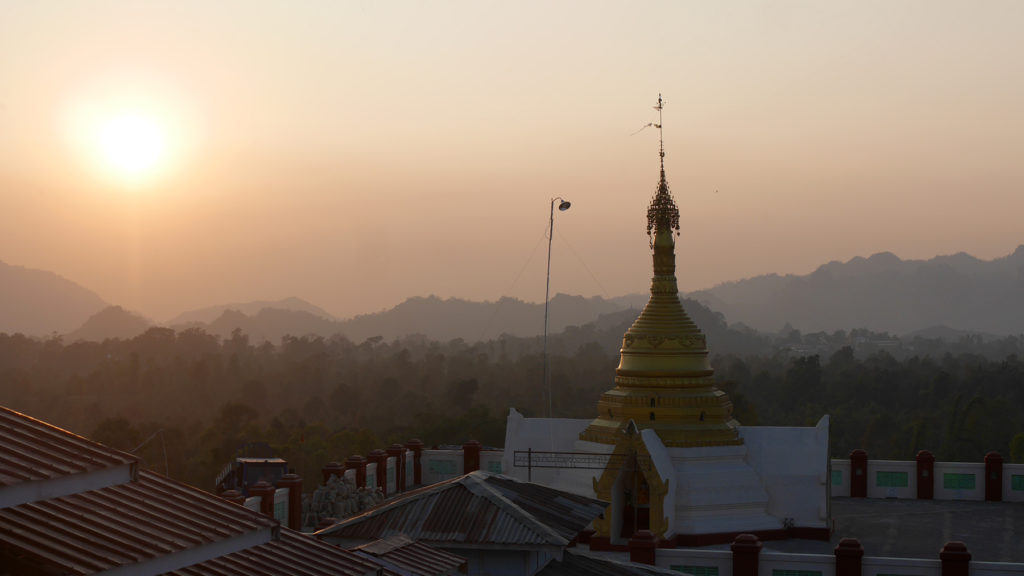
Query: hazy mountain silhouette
{"type": "Point", "coordinates": [433, 317]}
{"type": "Point", "coordinates": [111, 322]}
{"type": "Point", "coordinates": [883, 293]}
{"type": "Point", "coordinates": [271, 324]}
{"type": "Point", "coordinates": [38, 303]}
{"type": "Point", "coordinates": [447, 319]}
{"type": "Point", "coordinates": [211, 313]}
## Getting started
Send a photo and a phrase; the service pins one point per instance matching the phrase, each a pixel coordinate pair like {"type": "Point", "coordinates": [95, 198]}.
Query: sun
{"type": "Point", "coordinates": [133, 146]}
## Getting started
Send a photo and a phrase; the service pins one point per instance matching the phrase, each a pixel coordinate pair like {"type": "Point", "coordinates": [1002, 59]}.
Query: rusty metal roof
{"type": "Point", "coordinates": [32, 450]}
{"type": "Point", "coordinates": [475, 509]}
{"type": "Point", "coordinates": [294, 554]}
{"type": "Point", "coordinates": [406, 556]}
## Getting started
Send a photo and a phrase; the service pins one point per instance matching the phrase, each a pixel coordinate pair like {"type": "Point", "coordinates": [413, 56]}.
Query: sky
{"type": "Point", "coordinates": [355, 154]}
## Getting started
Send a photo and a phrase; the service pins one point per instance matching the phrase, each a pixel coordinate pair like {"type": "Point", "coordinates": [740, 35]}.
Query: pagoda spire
{"type": "Point", "coordinates": [664, 380]}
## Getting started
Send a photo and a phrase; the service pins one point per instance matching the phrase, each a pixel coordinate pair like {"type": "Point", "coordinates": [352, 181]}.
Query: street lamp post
{"type": "Point", "coordinates": [563, 205]}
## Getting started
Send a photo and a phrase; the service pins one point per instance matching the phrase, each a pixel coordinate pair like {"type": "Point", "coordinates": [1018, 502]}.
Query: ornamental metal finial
{"type": "Point", "coordinates": [662, 212]}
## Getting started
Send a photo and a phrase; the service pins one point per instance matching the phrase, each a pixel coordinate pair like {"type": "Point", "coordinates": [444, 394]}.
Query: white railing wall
{"type": "Point", "coordinates": [719, 562]}
{"type": "Point", "coordinates": [900, 567]}
{"type": "Point", "coordinates": [372, 475]}
{"type": "Point", "coordinates": [952, 480]}
{"type": "Point", "coordinates": [440, 465]}
{"type": "Point", "coordinates": [281, 505]}
{"type": "Point", "coordinates": [391, 482]}
{"type": "Point", "coordinates": [891, 479]}
{"type": "Point", "coordinates": [770, 562]}
{"type": "Point", "coordinates": [490, 461]}
{"type": "Point", "coordinates": [1013, 482]}
{"type": "Point", "coordinates": [959, 481]}
{"type": "Point", "coordinates": [705, 561]}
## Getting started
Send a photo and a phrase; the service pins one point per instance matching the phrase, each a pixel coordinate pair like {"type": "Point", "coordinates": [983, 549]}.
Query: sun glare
{"type": "Point", "coordinates": [132, 146]}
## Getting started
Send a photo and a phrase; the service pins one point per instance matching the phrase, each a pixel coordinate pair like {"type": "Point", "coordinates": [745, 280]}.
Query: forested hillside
{"type": "Point", "coordinates": [190, 400]}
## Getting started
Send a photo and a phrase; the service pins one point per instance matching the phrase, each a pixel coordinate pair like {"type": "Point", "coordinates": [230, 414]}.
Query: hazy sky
{"type": "Point", "coordinates": [357, 153]}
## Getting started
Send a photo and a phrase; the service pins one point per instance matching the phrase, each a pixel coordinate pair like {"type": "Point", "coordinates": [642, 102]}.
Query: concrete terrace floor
{"type": "Point", "coordinates": [993, 531]}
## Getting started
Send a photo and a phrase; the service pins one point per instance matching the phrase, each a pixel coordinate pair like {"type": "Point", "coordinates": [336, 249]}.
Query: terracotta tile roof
{"type": "Point", "coordinates": [128, 523]}
{"type": "Point", "coordinates": [32, 450]}
{"type": "Point", "coordinates": [71, 506]}
{"type": "Point", "coordinates": [294, 554]}
{"type": "Point", "coordinates": [414, 558]}
{"type": "Point", "coordinates": [476, 509]}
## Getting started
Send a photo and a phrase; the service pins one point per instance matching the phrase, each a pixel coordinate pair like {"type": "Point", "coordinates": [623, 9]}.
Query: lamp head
{"type": "Point", "coordinates": [564, 206]}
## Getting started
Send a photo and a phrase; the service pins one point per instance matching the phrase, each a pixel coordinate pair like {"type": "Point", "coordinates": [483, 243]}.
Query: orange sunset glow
{"type": "Point", "coordinates": [173, 155]}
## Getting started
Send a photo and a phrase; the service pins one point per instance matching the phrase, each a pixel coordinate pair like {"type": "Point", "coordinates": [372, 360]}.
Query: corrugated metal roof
{"type": "Point", "coordinates": [564, 512]}
{"type": "Point", "coordinates": [414, 558]}
{"type": "Point", "coordinates": [573, 564]}
{"type": "Point", "coordinates": [294, 554]}
{"type": "Point", "coordinates": [476, 509]}
{"type": "Point", "coordinates": [124, 524]}
{"type": "Point", "coordinates": [33, 450]}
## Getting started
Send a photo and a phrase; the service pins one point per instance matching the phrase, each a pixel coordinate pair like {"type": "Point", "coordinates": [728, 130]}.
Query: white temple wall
{"type": "Point", "coordinates": [793, 464]}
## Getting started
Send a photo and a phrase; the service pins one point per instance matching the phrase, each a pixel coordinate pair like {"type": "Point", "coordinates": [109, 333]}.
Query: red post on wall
{"type": "Point", "coordinates": [416, 446]}
{"type": "Point", "coordinates": [643, 547]}
{"type": "Point", "coordinates": [294, 485]}
{"type": "Point", "coordinates": [745, 551]}
{"type": "Point", "coordinates": [470, 456]}
{"type": "Point", "coordinates": [925, 475]}
{"type": "Point", "coordinates": [380, 458]}
{"type": "Point", "coordinates": [859, 473]}
{"type": "Point", "coordinates": [956, 560]}
{"type": "Point", "coordinates": [265, 491]}
{"type": "Point", "coordinates": [332, 469]}
{"type": "Point", "coordinates": [849, 554]}
{"type": "Point", "coordinates": [357, 463]}
{"type": "Point", "coordinates": [993, 477]}
{"type": "Point", "coordinates": [397, 451]}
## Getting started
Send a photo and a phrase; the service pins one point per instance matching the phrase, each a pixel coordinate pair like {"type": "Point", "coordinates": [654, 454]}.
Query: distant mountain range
{"type": "Point", "coordinates": [211, 313]}
{"type": "Point", "coordinates": [946, 295]}
{"type": "Point", "coordinates": [111, 322]}
{"type": "Point", "coordinates": [883, 293]}
{"type": "Point", "coordinates": [39, 303]}
{"type": "Point", "coordinates": [433, 317]}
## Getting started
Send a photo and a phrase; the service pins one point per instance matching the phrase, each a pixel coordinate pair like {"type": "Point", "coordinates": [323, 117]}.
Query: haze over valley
{"type": "Point", "coordinates": [332, 226]}
{"type": "Point", "coordinates": [881, 293]}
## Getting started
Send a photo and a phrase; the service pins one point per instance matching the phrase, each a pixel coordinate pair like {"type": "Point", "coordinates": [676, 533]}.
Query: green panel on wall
{"type": "Point", "coordinates": [441, 467]}
{"type": "Point", "coordinates": [796, 572]}
{"type": "Point", "coordinates": [952, 481]}
{"type": "Point", "coordinates": [891, 479]}
{"type": "Point", "coordinates": [1016, 482]}
{"type": "Point", "coordinates": [837, 477]}
{"type": "Point", "coordinates": [494, 466]}
{"type": "Point", "coordinates": [697, 570]}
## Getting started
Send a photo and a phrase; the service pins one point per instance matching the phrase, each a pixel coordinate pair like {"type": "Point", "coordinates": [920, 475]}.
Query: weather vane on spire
{"type": "Point", "coordinates": [662, 213]}
{"type": "Point", "coordinates": [661, 133]}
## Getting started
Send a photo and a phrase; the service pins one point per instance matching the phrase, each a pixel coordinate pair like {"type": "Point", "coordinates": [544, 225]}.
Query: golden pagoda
{"type": "Point", "coordinates": [664, 381]}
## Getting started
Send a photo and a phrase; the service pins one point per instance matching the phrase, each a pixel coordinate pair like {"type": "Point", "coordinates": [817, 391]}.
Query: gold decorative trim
{"type": "Point", "coordinates": [655, 341]}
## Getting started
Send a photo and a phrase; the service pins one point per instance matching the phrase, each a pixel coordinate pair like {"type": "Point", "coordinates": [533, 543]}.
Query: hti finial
{"type": "Point", "coordinates": [662, 213]}
{"type": "Point", "coordinates": [661, 134]}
